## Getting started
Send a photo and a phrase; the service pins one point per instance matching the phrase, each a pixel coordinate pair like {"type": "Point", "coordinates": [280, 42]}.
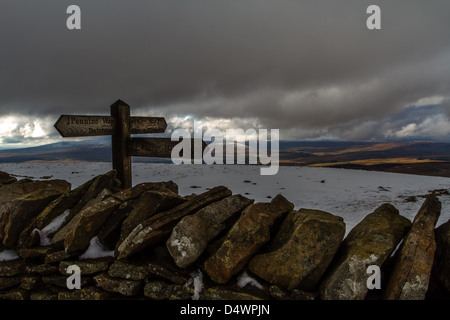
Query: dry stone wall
{"type": "Point", "coordinates": [148, 242]}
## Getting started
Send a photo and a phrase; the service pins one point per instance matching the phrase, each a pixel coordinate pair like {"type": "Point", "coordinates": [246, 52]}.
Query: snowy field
{"type": "Point", "coordinates": [351, 194]}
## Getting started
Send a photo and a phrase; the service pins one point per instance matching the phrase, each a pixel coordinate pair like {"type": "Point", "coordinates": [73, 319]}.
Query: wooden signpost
{"type": "Point", "coordinates": [120, 126]}
{"type": "Point", "coordinates": [76, 126]}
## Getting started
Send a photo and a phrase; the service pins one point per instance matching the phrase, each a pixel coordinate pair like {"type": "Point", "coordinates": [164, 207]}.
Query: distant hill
{"type": "Point", "coordinates": [422, 157]}
{"type": "Point", "coordinates": [93, 150]}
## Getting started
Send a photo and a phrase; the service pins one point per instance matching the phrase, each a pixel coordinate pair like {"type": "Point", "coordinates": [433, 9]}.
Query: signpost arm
{"type": "Point", "coordinates": [120, 158]}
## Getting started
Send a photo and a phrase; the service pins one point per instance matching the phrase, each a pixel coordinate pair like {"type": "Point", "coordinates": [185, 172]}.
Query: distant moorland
{"type": "Point", "coordinates": [421, 157]}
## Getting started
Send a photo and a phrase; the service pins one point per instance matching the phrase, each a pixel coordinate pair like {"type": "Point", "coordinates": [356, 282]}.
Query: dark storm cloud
{"type": "Point", "coordinates": [307, 65]}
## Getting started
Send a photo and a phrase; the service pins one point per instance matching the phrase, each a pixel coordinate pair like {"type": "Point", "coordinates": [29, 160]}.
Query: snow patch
{"type": "Point", "coordinates": [197, 280]}
{"type": "Point", "coordinates": [8, 255]}
{"type": "Point", "coordinates": [51, 228]}
{"type": "Point", "coordinates": [182, 244]}
{"type": "Point", "coordinates": [244, 279]}
{"type": "Point", "coordinates": [397, 248]}
{"type": "Point", "coordinates": [372, 259]}
{"type": "Point", "coordinates": [45, 241]}
{"type": "Point", "coordinates": [96, 250]}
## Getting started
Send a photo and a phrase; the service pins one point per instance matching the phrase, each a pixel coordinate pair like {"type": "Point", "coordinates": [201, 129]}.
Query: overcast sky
{"type": "Point", "coordinates": [309, 68]}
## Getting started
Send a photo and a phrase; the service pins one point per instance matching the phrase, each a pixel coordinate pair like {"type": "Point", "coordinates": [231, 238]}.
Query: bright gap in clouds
{"type": "Point", "coordinates": [425, 119]}
{"type": "Point", "coordinates": [18, 131]}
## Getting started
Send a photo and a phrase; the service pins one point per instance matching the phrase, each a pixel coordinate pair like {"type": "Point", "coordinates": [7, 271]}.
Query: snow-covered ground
{"type": "Point", "coordinates": [351, 194]}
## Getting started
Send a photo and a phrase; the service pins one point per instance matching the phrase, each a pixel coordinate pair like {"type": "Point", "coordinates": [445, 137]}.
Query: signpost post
{"type": "Point", "coordinates": [120, 125]}
{"type": "Point", "coordinates": [121, 160]}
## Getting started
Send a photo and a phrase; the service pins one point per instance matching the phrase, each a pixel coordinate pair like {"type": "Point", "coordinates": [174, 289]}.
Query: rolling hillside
{"type": "Point", "coordinates": [422, 158]}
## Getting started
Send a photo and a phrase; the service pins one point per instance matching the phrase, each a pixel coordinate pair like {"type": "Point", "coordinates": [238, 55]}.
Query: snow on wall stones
{"type": "Point", "coordinates": [411, 273]}
{"type": "Point", "coordinates": [371, 242]}
{"type": "Point", "coordinates": [148, 242]}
